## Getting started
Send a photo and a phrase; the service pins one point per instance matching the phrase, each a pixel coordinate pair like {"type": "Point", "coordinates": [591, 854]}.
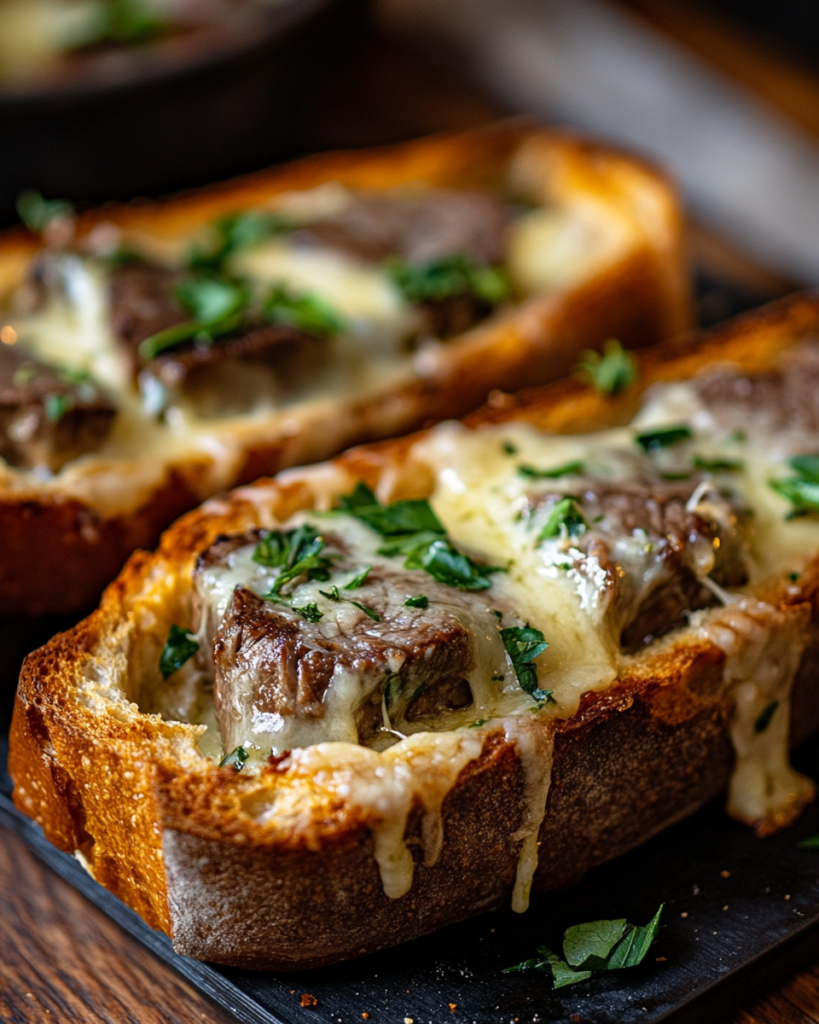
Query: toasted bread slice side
{"type": "Point", "coordinates": [334, 850]}
{"type": "Point", "coordinates": [70, 532]}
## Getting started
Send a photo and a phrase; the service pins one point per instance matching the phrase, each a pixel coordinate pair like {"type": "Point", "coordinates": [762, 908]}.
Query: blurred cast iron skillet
{"type": "Point", "coordinates": [159, 123]}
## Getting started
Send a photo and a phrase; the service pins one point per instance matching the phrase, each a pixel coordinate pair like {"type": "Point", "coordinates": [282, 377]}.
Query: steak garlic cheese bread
{"type": "Point", "coordinates": [157, 353]}
{"type": "Point", "coordinates": [342, 708]}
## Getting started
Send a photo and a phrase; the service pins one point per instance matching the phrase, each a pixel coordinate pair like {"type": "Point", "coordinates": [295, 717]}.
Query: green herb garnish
{"type": "Point", "coordinates": [311, 612]}
{"type": "Point", "coordinates": [447, 277]}
{"type": "Point", "coordinates": [509, 448]}
{"type": "Point", "coordinates": [179, 648]}
{"type": "Point", "coordinates": [717, 465]}
{"type": "Point", "coordinates": [304, 311]}
{"type": "Point", "coordinates": [233, 233]}
{"type": "Point", "coordinates": [411, 529]}
{"type": "Point", "coordinates": [421, 601]}
{"type": "Point", "coordinates": [235, 759]}
{"type": "Point", "coordinates": [478, 724]}
{"type": "Point", "coordinates": [523, 644]}
{"type": "Point", "coordinates": [567, 469]}
{"type": "Point", "coordinates": [37, 213]}
{"type": "Point", "coordinates": [663, 437]}
{"type": "Point", "coordinates": [371, 612]}
{"type": "Point", "coordinates": [297, 552]}
{"type": "Point", "coordinates": [764, 720]}
{"type": "Point", "coordinates": [359, 580]}
{"type": "Point", "coordinates": [593, 947]}
{"type": "Point", "coordinates": [218, 306]}
{"type": "Point", "coordinates": [565, 515]}
{"type": "Point", "coordinates": [611, 372]}
{"type": "Point", "coordinates": [57, 405]}
{"type": "Point", "coordinates": [811, 843]}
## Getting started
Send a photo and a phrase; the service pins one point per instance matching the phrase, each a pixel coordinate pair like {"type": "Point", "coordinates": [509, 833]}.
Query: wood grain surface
{"type": "Point", "coordinates": [62, 959]}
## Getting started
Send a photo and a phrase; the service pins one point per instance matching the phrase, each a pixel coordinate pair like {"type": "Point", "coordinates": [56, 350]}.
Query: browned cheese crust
{"type": "Point", "coordinates": [60, 550]}
{"type": "Point", "coordinates": [183, 842]}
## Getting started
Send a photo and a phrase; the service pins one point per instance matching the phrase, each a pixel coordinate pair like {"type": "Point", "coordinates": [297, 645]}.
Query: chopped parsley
{"type": "Point", "coordinates": [478, 724]}
{"type": "Point", "coordinates": [37, 213]}
{"type": "Point", "coordinates": [411, 528]}
{"type": "Point", "coordinates": [179, 648]}
{"type": "Point", "coordinates": [234, 232]}
{"type": "Point", "coordinates": [575, 468]}
{"type": "Point", "coordinates": [509, 448]}
{"type": "Point", "coordinates": [811, 843]}
{"type": "Point", "coordinates": [57, 405]}
{"type": "Point", "coordinates": [764, 720]}
{"type": "Point", "coordinates": [296, 552]}
{"type": "Point", "coordinates": [610, 372]}
{"type": "Point", "coordinates": [421, 601]}
{"type": "Point", "coordinates": [523, 644]}
{"type": "Point", "coordinates": [663, 437]}
{"type": "Point", "coordinates": [592, 947]}
{"type": "Point", "coordinates": [447, 277]}
{"type": "Point", "coordinates": [802, 490]}
{"type": "Point", "coordinates": [565, 515]}
{"type": "Point", "coordinates": [235, 759]}
{"type": "Point", "coordinates": [717, 465]}
{"type": "Point", "coordinates": [371, 612]}
{"type": "Point", "coordinates": [311, 611]}
{"type": "Point", "coordinates": [359, 580]}
{"type": "Point", "coordinates": [217, 306]}
{"type": "Point", "coordinates": [303, 310]}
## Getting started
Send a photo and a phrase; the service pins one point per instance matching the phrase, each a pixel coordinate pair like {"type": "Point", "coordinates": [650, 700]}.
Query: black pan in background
{"type": "Point", "coordinates": [178, 126]}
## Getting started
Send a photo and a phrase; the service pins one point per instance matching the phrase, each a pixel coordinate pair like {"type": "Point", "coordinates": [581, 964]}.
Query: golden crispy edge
{"type": "Point", "coordinates": [171, 838]}
{"type": "Point", "coordinates": [60, 550]}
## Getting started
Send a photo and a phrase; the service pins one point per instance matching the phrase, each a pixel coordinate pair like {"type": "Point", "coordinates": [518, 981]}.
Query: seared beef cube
{"type": "Point", "coordinates": [419, 225]}
{"type": "Point", "coordinates": [647, 549]}
{"type": "Point", "coordinates": [227, 374]}
{"type": "Point", "coordinates": [365, 665]}
{"type": "Point", "coordinates": [271, 664]}
{"type": "Point", "coordinates": [141, 302]}
{"type": "Point", "coordinates": [47, 416]}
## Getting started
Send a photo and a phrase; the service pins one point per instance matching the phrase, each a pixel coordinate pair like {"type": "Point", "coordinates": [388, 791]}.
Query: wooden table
{"type": "Point", "coordinates": [61, 958]}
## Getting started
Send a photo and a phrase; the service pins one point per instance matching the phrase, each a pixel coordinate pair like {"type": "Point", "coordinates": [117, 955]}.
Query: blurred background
{"type": "Point", "coordinates": [108, 99]}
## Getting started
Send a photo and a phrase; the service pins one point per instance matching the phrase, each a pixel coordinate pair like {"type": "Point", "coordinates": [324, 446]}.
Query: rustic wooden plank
{"type": "Point", "coordinates": [62, 959]}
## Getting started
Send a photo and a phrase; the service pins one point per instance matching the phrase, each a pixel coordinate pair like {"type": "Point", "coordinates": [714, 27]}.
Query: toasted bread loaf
{"type": "Point", "coordinates": [335, 850]}
{"type": "Point", "coordinates": [67, 533]}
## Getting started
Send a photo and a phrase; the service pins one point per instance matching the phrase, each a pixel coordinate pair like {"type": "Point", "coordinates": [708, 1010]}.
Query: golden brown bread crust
{"type": "Point", "coordinates": [185, 844]}
{"type": "Point", "coordinates": [78, 545]}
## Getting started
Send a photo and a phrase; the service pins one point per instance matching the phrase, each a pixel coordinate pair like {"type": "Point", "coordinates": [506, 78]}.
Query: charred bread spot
{"type": "Point", "coordinates": [48, 416]}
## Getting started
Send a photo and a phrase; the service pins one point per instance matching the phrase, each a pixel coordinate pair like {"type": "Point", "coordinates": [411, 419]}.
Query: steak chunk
{"type": "Point", "coordinates": [418, 225]}
{"type": "Point", "coordinates": [647, 547]}
{"type": "Point", "coordinates": [225, 375]}
{"type": "Point", "coordinates": [48, 416]}
{"type": "Point", "coordinates": [319, 662]}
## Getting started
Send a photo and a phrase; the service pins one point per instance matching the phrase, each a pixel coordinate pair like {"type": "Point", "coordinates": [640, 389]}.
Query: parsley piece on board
{"type": "Point", "coordinates": [411, 528]}
{"type": "Point", "coordinates": [37, 213]}
{"type": "Point", "coordinates": [811, 843]}
{"type": "Point", "coordinates": [297, 552]}
{"type": "Point", "coordinates": [523, 644]}
{"type": "Point", "coordinates": [610, 372]}
{"type": "Point", "coordinates": [764, 719]}
{"type": "Point", "coordinates": [663, 437]}
{"type": "Point", "coordinates": [235, 759]}
{"type": "Point", "coordinates": [567, 469]}
{"type": "Point", "coordinates": [421, 601]}
{"type": "Point", "coordinates": [447, 277]}
{"type": "Point", "coordinates": [564, 515]}
{"type": "Point", "coordinates": [303, 310]}
{"type": "Point", "coordinates": [179, 648]}
{"type": "Point", "coordinates": [593, 947]}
